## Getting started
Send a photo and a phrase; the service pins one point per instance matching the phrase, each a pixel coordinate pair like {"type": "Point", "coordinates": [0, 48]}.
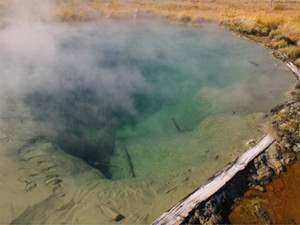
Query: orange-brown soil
{"type": "Point", "coordinates": [281, 200]}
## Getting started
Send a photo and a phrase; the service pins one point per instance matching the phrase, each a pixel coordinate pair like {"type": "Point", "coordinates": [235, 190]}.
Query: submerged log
{"type": "Point", "coordinates": [176, 124]}
{"type": "Point", "coordinates": [178, 128]}
{"type": "Point", "coordinates": [178, 213]}
{"type": "Point", "coordinates": [128, 157]}
{"type": "Point", "coordinates": [294, 69]}
{"type": "Point", "coordinates": [111, 213]}
{"type": "Point", "coordinates": [253, 63]}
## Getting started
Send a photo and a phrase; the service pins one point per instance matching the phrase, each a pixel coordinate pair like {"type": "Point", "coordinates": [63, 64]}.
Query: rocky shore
{"type": "Point", "coordinates": [270, 164]}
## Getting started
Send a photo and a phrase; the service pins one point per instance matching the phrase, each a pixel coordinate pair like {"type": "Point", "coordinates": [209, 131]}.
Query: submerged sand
{"type": "Point", "coordinates": [42, 184]}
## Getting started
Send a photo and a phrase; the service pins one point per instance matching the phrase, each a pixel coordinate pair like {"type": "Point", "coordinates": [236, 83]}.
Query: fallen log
{"type": "Point", "coordinates": [278, 107]}
{"type": "Point", "coordinates": [178, 213]}
{"type": "Point", "coordinates": [294, 69]}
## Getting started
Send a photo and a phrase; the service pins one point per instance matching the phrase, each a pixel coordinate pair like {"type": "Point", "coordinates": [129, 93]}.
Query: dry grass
{"type": "Point", "coordinates": [297, 62]}
{"type": "Point", "coordinates": [259, 11]}
{"type": "Point", "coordinates": [74, 14]}
{"type": "Point", "coordinates": [253, 18]}
{"type": "Point", "coordinates": [277, 27]}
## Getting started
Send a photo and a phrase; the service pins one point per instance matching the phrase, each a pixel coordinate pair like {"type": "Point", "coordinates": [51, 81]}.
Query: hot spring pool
{"type": "Point", "coordinates": [122, 117]}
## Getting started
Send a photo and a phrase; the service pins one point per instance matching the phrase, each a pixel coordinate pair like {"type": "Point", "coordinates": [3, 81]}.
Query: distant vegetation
{"type": "Point", "coordinates": [277, 27]}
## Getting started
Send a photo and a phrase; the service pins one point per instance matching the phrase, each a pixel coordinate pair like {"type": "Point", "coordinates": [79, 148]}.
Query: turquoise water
{"type": "Point", "coordinates": [156, 108]}
{"type": "Point", "coordinates": [111, 90]}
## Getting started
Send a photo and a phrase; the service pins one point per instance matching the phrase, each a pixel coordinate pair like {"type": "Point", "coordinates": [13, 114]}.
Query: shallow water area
{"type": "Point", "coordinates": [117, 121]}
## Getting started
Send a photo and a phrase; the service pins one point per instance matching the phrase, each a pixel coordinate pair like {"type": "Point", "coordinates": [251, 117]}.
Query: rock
{"type": "Point", "coordinates": [296, 148]}
{"type": "Point", "coordinates": [276, 166]}
{"type": "Point", "coordinates": [209, 213]}
{"type": "Point", "coordinates": [259, 187]}
{"type": "Point", "coordinates": [293, 125]}
{"type": "Point", "coordinates": [274, 153]}
{"type": "Point", "coordinates": [289, 157]}
{"type": "Point", "coordinates": [283, 127]}
{"type": "Point", "coordinates": [264, 175]}
{"type": "Point", "coordinates": [279, 55]}
{"type": "Point", "coordinates": [261, 214]}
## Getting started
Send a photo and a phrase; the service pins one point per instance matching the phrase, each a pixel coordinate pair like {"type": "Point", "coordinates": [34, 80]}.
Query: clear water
{"type": "Point", "coordinates": [106, 93]}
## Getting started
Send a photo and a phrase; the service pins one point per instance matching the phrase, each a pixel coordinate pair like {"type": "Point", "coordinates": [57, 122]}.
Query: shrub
{"type": "Point", "coordinates": [279, 7]}
{"type": "Point", "coordinates": [185, 18]}
{"type": "Point", "coordinates": [297, 62]}
{"type": "Point", "coordinates": [287, 39]}
{"type": "Point", "coordinates": [270, 21]}
{"type": "Point", "coordinates": [279, 44]}
{"type": "Point", "coordinates": [250, 27]}
{"type": "Point", "coordinates": [70, 14]}
{"type": "Point", "coordinates": [260, 30]}
{"type": "Point", "coordinates": [232, 6]}
{"type": "Point", "coordinates": [293, 52]}
{"type": "Point", "coordinates": [274, 34]}
{"type": "Point", "coordinates": [243, 28]}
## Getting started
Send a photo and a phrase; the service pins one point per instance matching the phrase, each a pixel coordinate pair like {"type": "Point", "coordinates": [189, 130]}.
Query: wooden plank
{"type": "Point", "coordinates": [180, 211]}
{"type": "Point", "coordinates": [294, 68]}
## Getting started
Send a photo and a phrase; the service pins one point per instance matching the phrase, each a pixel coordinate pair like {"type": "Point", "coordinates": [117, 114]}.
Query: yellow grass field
{"type": "Point", "coordinates": [277, 27]}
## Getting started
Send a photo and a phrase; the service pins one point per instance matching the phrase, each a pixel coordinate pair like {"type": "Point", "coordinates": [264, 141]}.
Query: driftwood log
{"type": "Point", "coordinates": [294, 69]}
{"type": "Point", "coordinates": [178, 213]}
{"type": "Point", "coordinates": [277, 108]}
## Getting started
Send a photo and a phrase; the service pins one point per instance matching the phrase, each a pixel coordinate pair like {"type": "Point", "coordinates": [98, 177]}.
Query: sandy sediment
{"type": "Point", "coordinates": [42, 184]}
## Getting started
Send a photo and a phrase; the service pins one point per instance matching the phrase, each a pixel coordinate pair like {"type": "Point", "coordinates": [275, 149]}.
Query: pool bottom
{"type": "Point", "coordinates": [46, 185]}
{"type": "Point", "coordinates": [220, 100]}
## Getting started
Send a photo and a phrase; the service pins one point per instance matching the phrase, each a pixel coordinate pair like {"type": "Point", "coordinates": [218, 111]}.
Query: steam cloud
{"type": "Point", "coordinates": [48, 63]}
{"type": "Point", "coordinates": [73, 79]}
